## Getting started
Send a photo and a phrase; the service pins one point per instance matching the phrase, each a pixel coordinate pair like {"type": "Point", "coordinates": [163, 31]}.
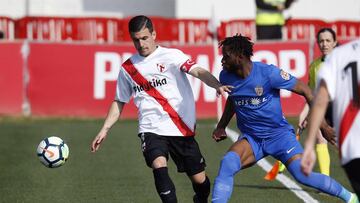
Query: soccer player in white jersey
{"type": "Point", "coordinates": [155, 77]}
{"type": "Point", "coordinates": [339, 81]}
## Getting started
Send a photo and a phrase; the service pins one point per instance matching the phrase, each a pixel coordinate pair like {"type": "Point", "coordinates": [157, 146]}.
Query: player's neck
{"type": "Point", "coordinates": [245, 69]}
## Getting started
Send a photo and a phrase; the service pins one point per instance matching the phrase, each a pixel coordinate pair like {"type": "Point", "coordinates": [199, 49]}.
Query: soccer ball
{"type": "Point", "coordinates": [53, 152]}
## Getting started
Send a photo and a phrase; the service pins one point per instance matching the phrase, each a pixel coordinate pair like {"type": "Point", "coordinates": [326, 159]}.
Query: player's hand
{"type": "Point", "coordinates": [308, 160]}
{"type": "Point", "coordinates": [303, 124]}
{"type": "Point", "coordinates": [328, 133]}
{"type": "Point", "coordinates": [222, 90]}
{"type": "Point", "coordinates": [98, 140]}
{"type": "Point", "coordinates": [219, 134]}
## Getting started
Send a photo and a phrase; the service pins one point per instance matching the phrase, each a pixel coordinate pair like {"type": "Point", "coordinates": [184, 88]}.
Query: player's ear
{"type": "Point", "coordinates": [153, 34]}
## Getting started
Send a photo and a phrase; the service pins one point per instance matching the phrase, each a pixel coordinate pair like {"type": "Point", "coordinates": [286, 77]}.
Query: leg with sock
{"type": "Point", "coordinates": [164, 185]}
{"type": "Point", "coordinates": [322, 153]}
{"type": "Point", "coordinates": [223, 185]}
{"type": "Point", "coordinates": [319, 181]}
{"type": "Point", "coordinates": [202, 191]}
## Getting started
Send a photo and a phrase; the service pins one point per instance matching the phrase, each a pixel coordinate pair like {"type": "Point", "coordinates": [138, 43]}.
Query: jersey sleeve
{"type": "Point", "coordinates": [184, 62]}
{"type": "Point", "coordinates": [123, 87]}
{"type": "Point", "coordinates": [280, 79]}
{"type": "Point", "coordinates": [328, 74]}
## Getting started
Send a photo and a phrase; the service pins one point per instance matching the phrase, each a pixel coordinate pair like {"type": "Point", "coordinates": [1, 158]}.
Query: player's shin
{"type": "Point", "coordinates": [202, 191]}
{"type": "Point", "coordinates": [319, 181]}
{"type": "Point", "coordinates": [164, 185]}
{"type": "Point", "coordinates": [223, 185]}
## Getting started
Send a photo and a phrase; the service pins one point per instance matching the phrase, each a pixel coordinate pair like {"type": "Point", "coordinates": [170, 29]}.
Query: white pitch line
{"type": "Point", "coordinates": [266, 166]}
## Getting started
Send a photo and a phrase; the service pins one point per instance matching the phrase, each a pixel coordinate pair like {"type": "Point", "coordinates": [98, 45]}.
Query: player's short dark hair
{"type": "Point", "coordinates": [137, 23]}
{"type": "Point", "coordinates": [238, 44]}
{"type": "Point", "coordinates": [326, 29]}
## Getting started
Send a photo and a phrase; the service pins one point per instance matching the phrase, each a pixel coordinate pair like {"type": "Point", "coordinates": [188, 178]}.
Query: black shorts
{"type": "Point", "coordinates": [352, 170]}
{"type": "Point", "coordinates": [184, 151]}
{"type": "Point", "coordinates": [328, 115]}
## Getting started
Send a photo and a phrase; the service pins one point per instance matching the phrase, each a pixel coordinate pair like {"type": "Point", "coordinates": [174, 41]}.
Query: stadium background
{"type": "Point", "coordinates": [58, 63]}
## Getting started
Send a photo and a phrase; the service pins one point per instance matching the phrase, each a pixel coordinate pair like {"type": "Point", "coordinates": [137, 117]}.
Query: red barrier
{"type": "Point", "coordinates": [11, 78]}
{"type": "Point", "coordinates": [7, 27]}
{"type": "Point", "coordinates": [181, 31]}
{"type": "Point", "coordinates": [79, 80]}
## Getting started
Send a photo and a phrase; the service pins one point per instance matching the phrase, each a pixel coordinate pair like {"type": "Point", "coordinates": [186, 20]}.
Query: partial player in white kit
{"type": "Point", "coordinates": [156, 79]}
{"type": "Point", "coordinates": [339, 81]}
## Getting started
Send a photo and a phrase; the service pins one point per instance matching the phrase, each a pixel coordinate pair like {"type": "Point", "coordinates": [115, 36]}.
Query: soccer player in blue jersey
{"type": "Point", "coordinates": [255, 99]}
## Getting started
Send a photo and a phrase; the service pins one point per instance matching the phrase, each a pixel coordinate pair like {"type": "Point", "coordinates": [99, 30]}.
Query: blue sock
{"type": "Point", "coordinates": [318, 181]}
{"type": "Point", "coordinates": [223, 185]}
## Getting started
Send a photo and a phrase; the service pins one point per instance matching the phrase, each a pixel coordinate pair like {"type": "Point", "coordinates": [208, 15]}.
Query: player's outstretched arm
{"type": "Point", "coordinates": [210, 80]}
{"type": "Point", "coordinates": [229, 111]}
{"type": "Point", "coordinates": [112, 116]}
{"type": "Point", "coordinates": [304, 90]}
{"type": "Point", "coordinates": [327, 131]}
{"type": "Point", "coordinates": [317, 112]}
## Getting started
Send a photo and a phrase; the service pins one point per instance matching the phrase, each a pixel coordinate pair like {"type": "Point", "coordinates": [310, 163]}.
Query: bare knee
{"type": "Point", "coordinates": [198, 178]}
{"type": "Point", "coordinates": [159, 162]}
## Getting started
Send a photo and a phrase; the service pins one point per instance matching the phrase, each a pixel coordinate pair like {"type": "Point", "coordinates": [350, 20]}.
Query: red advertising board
{"type": "Point", "coordinates": [79, 80]}
{"type": "Point", "coordinates": [11, 78]}
{"type": "Point", "coordinates": [68, 79]}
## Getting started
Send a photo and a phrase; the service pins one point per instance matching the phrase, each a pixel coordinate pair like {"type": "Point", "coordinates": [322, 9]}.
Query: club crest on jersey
{"type": "Point", "coordinates": [285, 75]}
{"type": "Point", "coordinates": [259, 90]}
{"type": "Point", "coordinates": [160, 67]}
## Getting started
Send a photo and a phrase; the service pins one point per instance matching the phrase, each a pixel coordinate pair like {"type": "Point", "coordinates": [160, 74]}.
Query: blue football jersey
{"type": "Point", "coordinates": [257, 99]}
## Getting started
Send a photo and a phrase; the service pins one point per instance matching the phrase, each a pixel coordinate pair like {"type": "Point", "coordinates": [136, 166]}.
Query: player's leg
{"type": "Point", "coordinates": [318, 181]}
{"type": "Point", "coordinates": [352, 170]}
{"type": "Point", "coordinates": [322, 153]}
{"type": "Point", "coordinates": [155, 151]}
{"type": "Point", "coordinates": [286, 148]}
{"type": "Point", "coordinates": [201, 187]}
{"type": "Point", "coordinates": [240, 155]}
{"type": "Point", "coordinates": [186, 154]}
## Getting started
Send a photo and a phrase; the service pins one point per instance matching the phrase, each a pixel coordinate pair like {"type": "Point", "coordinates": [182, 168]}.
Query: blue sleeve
{"type": "Point", "coordinates": [279, 79]}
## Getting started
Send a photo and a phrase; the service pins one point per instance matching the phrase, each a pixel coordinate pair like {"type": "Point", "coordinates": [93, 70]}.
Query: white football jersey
{"type": "Point", "coordinates": [340, 72]}
{"type": "Point", "coordinates": [161, 91]}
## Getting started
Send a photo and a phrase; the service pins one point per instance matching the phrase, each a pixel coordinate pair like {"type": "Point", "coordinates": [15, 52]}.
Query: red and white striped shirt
{"type": "Point", "coordinates": [161, 91]}
{"type": "Point", "coordinates": [341, 73]}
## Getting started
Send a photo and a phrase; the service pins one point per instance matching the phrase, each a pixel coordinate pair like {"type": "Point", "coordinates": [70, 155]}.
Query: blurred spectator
{"type": "Point", "coordinates": [270, 18]}
{"type": "Point", "coordinates": [2, 35]}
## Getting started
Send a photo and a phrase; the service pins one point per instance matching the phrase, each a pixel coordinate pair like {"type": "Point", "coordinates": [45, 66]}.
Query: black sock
{"type": "Point", "coordinates": [202, 190]}
{"type": "Point", "coordinates": [164, 186]}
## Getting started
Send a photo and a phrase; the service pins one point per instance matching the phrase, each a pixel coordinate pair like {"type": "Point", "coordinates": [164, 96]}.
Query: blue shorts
{"type": "Point", "coordinates": [281, 146]}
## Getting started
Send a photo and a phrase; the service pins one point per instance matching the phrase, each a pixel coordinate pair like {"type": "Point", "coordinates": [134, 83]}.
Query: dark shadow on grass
{"type": "Point", "coordinates": [265, 187]}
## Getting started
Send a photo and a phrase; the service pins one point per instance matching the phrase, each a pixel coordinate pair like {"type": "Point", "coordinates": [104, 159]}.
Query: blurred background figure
{"type": "Point", "coordinates": [339, 82]}
{"type": "Point", "coordinates": [2, 35]}
{"type": "Point", "coordinates": [270, 18]}
{"type": "Point", "coordinates": [326, 40]}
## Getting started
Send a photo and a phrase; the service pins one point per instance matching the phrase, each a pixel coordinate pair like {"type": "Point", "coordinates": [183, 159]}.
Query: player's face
{"type": "Point", "coordinates": [326, 43]}
{"type": "Point", "coordinates": [229, 60]}
{"type": "Point", "coordinates": [144, 41]}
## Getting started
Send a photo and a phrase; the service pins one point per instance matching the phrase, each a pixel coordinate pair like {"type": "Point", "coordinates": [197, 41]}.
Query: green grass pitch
{"type": "Point", "coordinates": [117, 172]}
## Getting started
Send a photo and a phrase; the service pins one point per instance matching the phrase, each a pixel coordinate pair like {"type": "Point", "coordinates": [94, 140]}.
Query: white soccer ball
{"type": "Point", "coordinates": [53, 152]}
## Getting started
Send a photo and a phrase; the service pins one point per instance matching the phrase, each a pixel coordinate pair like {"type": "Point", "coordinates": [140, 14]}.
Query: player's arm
{"type": "Point", "coordinates": [229, 111]}
{"type": "Point", "coordinates": [317, 113]}
{"type": "Point", "coordinates": [327, 131]}
{"type": "Point", "coordinates": [209, 80]}
{"type": "Point", "coordinates": [111, 118]}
